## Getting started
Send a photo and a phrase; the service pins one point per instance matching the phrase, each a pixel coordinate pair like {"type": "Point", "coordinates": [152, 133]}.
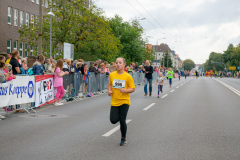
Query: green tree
{"type": "Point", "coordinates": [149, 54]}
{"type": "Point", "coordinates": [74, 23]}
{"type": "Point", "coordinates": [129, 34]}
{"type": "Point", "coordinates": [188, 64]}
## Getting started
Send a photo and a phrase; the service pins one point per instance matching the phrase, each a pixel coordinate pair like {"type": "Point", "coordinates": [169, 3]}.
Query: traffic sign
{"type": "Point", "coordinates": [232, 68]}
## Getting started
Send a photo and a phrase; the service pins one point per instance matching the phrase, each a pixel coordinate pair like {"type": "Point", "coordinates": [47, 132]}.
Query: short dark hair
{"type": "Point", "coordinates": [2, 63]}
{"type": "Point", "coordinates": [41, 58]}
{"type": "Point", "coordinates": [9, 53]}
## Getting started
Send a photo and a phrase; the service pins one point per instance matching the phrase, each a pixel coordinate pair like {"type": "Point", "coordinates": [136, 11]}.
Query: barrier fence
{"type": "Point", "coordinates": [27, 92]}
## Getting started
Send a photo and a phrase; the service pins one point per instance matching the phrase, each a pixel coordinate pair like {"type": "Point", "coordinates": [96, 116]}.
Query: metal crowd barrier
{"type": "Point", "coordinates": [76, 88]}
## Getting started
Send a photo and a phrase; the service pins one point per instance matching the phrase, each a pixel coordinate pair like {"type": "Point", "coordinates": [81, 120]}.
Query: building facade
{"type": "Point", "coordinates": [13, 15]}
{"type": "Point", "coordinates": [160, 50]}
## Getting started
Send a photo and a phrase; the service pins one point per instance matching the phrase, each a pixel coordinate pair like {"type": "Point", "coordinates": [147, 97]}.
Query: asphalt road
{"type": "Point", "coordinates": [198, 119]}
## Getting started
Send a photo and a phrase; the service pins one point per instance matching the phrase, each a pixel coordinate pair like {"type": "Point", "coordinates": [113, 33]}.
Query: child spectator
{"type": "Point", "coordinates": [3, 76]}
{"type": "Point", "coordinates": [51, 69]}
{"type": "Point", "coordinates": [85, 77]}
{"type": "Point", "coordinates": [8, 69]}
{"type": "Point", "coordinates": [2, 58]}
{"type": "Point", "coordinates": [47, 66]}
{"type": "Point", "coordinates": [38, 66]}
{"type": "Point", "coordinates": [66, 65]}
{"type": "Point", "coordinates": [78, 67]}
{"type": "Point", "coordinates": [24, 65]}
{"type": "Point", "coordinates": [58, 82]}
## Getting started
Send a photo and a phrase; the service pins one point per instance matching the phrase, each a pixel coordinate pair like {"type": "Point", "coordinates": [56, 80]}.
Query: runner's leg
{"type": "Point", "coordinates": [123, 110]}
{"type": "Point", "coordinates": [114, 114]}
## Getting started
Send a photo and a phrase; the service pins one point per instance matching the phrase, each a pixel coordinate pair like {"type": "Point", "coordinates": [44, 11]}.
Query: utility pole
{"type": "Point", "coordinates": [167, 59]}
{"type": "Point", "coordinates": [40, 29]}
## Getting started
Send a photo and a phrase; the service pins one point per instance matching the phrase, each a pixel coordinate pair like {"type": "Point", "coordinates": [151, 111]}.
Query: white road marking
{"type": "Point", "coordinates": [164, 96]}
{"type": "Point", "coordinates": [172, 91]}
{"type": "Point", "coordinates": [177, 87]}
{"type": "Point", "coordinates": [149, 106]}
{"type": "Point", "coordinates": [115, 129]}
{"type": "Point", "coordinates": [181, 84]}
{"type": "Point", "coordinates": [229, 87]}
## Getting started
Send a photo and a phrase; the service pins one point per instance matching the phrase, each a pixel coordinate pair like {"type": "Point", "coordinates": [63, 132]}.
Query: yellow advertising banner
{"type": "Point", "coordinates": [231, 68]}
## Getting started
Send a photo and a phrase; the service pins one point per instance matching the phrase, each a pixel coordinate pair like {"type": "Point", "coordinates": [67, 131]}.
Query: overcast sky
{"type": "Point", "coordinates": [193, 28]}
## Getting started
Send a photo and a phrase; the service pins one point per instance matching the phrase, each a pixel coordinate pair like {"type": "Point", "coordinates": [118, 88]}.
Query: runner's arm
{"type": "Point", "coordinates": [129, 90]}
{"type": "Point", "coordinates": [109, 89]}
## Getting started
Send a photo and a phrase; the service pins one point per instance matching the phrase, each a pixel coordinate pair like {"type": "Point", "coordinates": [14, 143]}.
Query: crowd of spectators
{"type": "Point", "coordinates": [13, 65]}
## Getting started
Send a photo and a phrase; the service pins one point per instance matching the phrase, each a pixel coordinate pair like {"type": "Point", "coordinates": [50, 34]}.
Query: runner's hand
{"type": "Point", "coordinates": [110, 93]}
{"type": "Point", "coordinates": [122, 90]}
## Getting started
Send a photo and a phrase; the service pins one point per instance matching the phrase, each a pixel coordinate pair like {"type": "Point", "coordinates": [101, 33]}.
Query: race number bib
{"type": "Point", "coordinates": [118, 83]}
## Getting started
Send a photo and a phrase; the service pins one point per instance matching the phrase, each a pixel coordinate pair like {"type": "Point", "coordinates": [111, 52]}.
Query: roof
{"type": "Point", "coordinates": [161, 48]}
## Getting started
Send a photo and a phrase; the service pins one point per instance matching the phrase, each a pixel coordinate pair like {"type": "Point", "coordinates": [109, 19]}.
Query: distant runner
{"type": "Point", "coordinates": [170, 76]}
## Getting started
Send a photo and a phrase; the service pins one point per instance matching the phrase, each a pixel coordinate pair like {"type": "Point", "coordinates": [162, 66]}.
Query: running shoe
{"type": "Point", "coordinates": [158, 96]}
{"type": "Point", "coordinates": [123, 142]}
{"type": "Point", "coordinates": [56, 104]}
{"type": "Point", "coordinates": [60, 103]}
{"type": "Point", "coordinates": [145, 94]}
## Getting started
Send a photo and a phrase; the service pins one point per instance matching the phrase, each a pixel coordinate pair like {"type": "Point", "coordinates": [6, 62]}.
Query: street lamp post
{"type": "Point", "coordinates": [51, 15]}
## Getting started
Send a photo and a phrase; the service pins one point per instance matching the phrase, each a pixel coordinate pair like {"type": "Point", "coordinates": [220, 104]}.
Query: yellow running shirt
{"type": "Point", "coordinates": [118, 81]}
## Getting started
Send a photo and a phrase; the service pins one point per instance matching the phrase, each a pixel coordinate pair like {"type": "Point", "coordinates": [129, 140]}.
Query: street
{"type": "Point", "coordinates": [195, 119]}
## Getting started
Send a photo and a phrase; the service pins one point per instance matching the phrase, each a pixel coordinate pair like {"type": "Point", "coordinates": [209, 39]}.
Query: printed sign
{"type": "Point", "coordinates": [44, 90]}
{"type": "Point", "coordinates": [118, 83]}
{"type": "Point", "coordinates": [17, 91]}
{"type": "Point", "coordinates": [232, 68]}
{"type": "Point", "coordinates": [68, 51]}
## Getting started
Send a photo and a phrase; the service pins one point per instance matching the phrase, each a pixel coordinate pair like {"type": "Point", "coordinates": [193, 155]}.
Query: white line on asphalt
{"type": "Point", "coordinates": [115, 129]}
{"type": "Point", "coordinates": [229, 87]}
{"type": "Point", "coordinates": [164, 96]}
{"type": "Point", "coordinates": [181, 84]}
{"type": "Point", "coordinates": [172, 90]}
{"type": "Point", "coordinates": [149, 106]}
{"type": "Point", "coordinates": [177, 87]}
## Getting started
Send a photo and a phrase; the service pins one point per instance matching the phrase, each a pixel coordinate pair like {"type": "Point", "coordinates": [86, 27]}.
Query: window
{"type": "Point", "coordinates": [10, 15]}
{"type": "Point", "coordinates": [36, 48]}
{"type": "Point", "coordinates": [36, 22]}
{"type": "Point", "coordinates": [21, 49]}
{"type": "Point", "coordinates": [15, 45]}
{"type": "Point", "coordinates": [9, 46]}
{"type": "Point", "coordinates": [15, 17]}
{"type": "Point", "coordinates": [26, 49]}
{"type": "Point", "coordinates": [21, 18]}
{"type": "Point", "coordinates": [37, 1]}
{"type": "Point", "coordinates": [27, 19]}
{"type": "Point", "coordinates": [46, 3]}
{"type": "Point", "coordinates": [31, 50]}
{"type": "Point", "coordinates": [32, 20]}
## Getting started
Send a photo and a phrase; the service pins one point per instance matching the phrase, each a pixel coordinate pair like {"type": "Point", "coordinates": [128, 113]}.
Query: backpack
{"type": "Point", "coordinates": [30, 72]}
